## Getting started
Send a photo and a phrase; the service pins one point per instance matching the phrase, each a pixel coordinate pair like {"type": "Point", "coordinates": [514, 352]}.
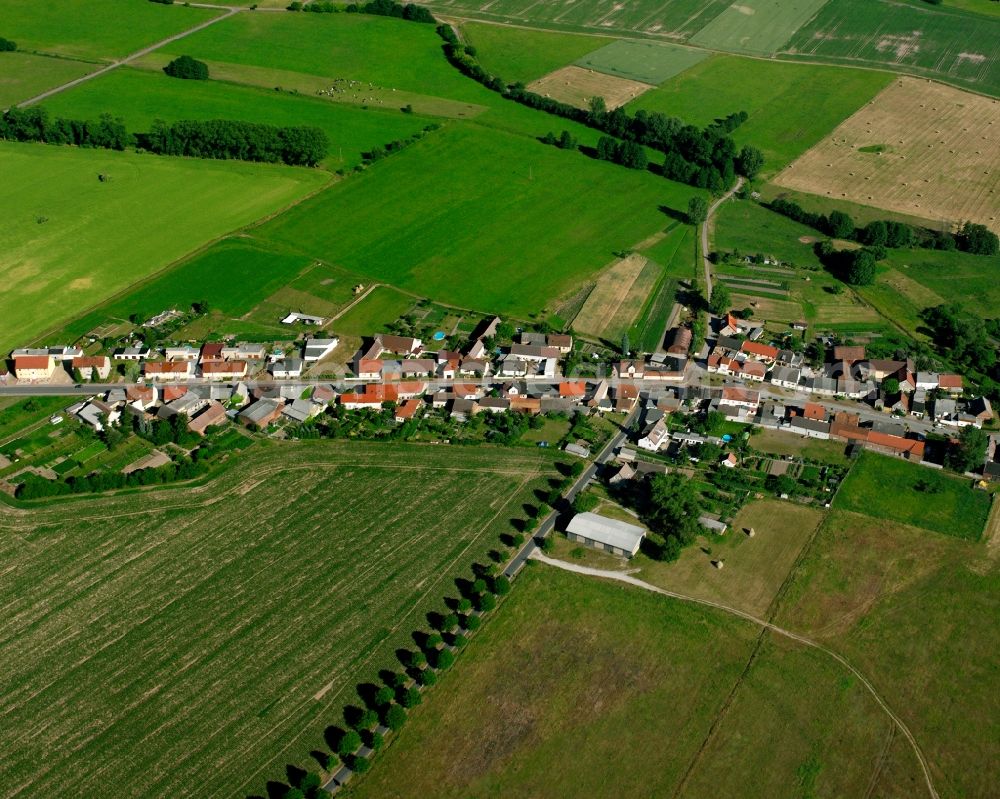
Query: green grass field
{"type": "Point", "coordinates": [517, 54]}
{"type": "Point", "coordinates": [906, 493]}
{"type": "Point", "coordinates": [387, 52]}
{"type": "Point", "coordinates": [469, 214]}
{"type": "Point", "coordinates": [908, 609]}
{"type": "Point", "coordinates": [674, 20]}
{"type": "Point", "coordinates": [787, 113]}
{"type": "Point", "coordinates": [204, 638]}
{"type": "Point", "coordinates": [649, 62]}
{"type": "Point", "coordinates": [370, 316]}
{"type": "Point", "coordinates": [633, 686]}
{"type": "Point", "coordinates": [760, 27]}
{"type": "Point", "coordinates": [933, 41]}
{"type": "Point", "coordinates": [73, 241]}
{"type": "Point", "coordinates": [101, 31]}
{"type": "Point", "coordinates": [140, 97]}
{"type": "Point", "coordinates": [24, 75]}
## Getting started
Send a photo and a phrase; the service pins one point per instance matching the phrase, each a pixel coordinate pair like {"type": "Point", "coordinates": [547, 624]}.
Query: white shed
{"type": "Point", "coordinates": [611, 535]}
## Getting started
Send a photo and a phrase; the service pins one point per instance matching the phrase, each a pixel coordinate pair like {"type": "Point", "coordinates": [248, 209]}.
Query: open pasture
{"type": "Point", "coordinates": [929, 40]}
{"type": "Point", "coordinates": [103, 31]}
{"type": "Point", "coordinates": [618, 298]}
{"type": "Point", "coordinates": [374, 312]}
{"type": "Point", "coordinates": [938, 155]}
{"type": "Point", "coordinates": [141, 96]}
{"type": "Point", "coordinates": [73, 241]}
{"type": "Point", "coordinates": [760, 27]}
{"type": "Point", "coordinates": [615, 668]}
{"type": "Point", "coordinates": [518, 54]}
{"type": "Point", "coordinates": [379, 52]}
{"type": "Point", "coordinates": [645, 61]}
{"type": "Point", "coordinates": [194, 641]}
{"type": "Point", "coordinates": [677, 19]}
{"type": "Point", "coordinates": [25, 75]}
{"type": "Point", "coordinates": [897, 491]}
{"type": "Point", "coordinates": [787, 114]}
{"type": "Point", "coordinates": [907, 607]}
{"type": "Point", "coordinates": [578, 86]}
{"type": "Point", "coordinates": [481, 219]}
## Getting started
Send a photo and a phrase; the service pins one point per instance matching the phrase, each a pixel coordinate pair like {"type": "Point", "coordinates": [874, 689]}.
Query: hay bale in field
{"type": "Point", "coordinates": [751, 532]}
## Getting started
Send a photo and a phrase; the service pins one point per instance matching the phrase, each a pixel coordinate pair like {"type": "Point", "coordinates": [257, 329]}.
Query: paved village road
{"type": "Point", "coordinates": [581, 483]}
{"type": "Point", "coordinates": [138, 54]}
{"type": "Point", "coordinates": [704, 235]}
{"type": "Point", "coordinates": [628, 578]}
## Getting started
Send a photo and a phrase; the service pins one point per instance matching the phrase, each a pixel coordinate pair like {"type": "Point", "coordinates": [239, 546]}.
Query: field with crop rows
{"type": "Point", "coordinates": [649, 62]}
{"type": "Point", "coordinates": [930, 40]}
{"type": "Point", "coordinates": [193, 641]}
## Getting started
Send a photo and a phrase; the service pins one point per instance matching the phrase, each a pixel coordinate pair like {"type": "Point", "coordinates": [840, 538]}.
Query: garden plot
{"type": "Point", "coordinates": [918, 148]}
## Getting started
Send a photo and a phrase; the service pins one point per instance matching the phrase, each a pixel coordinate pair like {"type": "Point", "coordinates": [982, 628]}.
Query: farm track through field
{"type": "Point", "coordinates": [230, 10]}
{"type": "Point", "coordinates": [767, 626]}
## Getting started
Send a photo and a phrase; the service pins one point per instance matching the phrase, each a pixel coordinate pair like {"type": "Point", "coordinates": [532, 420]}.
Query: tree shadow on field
{"type": "Point", "coordinates": [332, 736]}
{"type": "Point", "coordinates": [352, 715]}
{"type": "Point", "coordinates": [403, 655]}
{"type": "Point", "coordinates": [673, 213]}
{"type": "Point", "coordinates": [368, 690]}
{"type": "Point", "coordinates": [277, 790]}
{"type": "Point", "coordinates": [295, 774]}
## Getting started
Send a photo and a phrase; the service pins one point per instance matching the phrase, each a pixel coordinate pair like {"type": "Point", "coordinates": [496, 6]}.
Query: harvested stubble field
{"type": "Point", "coordinates": [194, 641]}
{"type": "Point", "coordinates": [577, 86]}
{"type": "Point", "coordinates": [938, 155]}
{"type": "Point", "coordinates": [649, 62]}
{"type": "Point", "coordinates": [618, 298]}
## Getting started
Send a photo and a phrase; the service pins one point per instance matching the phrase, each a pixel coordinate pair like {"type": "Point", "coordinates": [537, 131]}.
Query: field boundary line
{"type": "Point", "coordinates": [634, 581]}
{"type": "Point", "coordinates": [231, 10]}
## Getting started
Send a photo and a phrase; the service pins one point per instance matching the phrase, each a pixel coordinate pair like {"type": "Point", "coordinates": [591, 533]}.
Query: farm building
{"type": "Point", "coordinates": [610, 535]}
{"type": "Point", "coordinates": [307, 319]}
{"type": "Point", "coordinates": [318, 348]}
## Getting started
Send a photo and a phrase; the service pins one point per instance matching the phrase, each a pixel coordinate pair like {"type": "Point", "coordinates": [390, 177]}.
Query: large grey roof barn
{"type": "Point", "coordinates": [611, 535]}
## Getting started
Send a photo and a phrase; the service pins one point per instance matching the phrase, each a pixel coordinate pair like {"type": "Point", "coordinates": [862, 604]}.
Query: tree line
{"type": "Point", "coordinates": [213, 138]}
{"type": "Point", "coordinates": [971, 237]}
{"type": "Point", "coordinates": [702, 157]}
{"type": "Point", "coordinates": [379, 8]}
{"type": "Point", "coordinates": [387, 702]}
{"type": "Point", "coordinates": [7, 46]}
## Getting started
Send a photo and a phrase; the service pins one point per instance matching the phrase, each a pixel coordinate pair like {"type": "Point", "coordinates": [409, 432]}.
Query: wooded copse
{"type": "Point", "coordinates": [703, 157]}
{"type": "Point", "coordinates": [213, 138]}
{"type": "Point", "coordinates": [379, 8]}
{"type": "Point", "coordinates": [971, 237]}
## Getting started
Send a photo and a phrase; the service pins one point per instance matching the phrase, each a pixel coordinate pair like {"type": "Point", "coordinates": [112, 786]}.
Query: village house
{"type": "Point", "coordinates": [680, 342]}
{"type": "Point", "coordinates": [211, 351]}
{"type": "Point", "coordinates": [790, 359]}
{"type": "Point", "coordinates": [494, 404]}
{"type": "Point", "coordinates": [316, 349]}
{"type": "Point", "coordinates": [33, 368]}
{"type": "Point", "coordinates": [301, 410]}
{"type": "Point", "coordinates": [261, 413]}
{"type": "Point", "coordinates": [671, 369]}
{"type": "Point", "coordinates": [408, 389]}
{"type": "Point", "coordinates": [287, 369]}
{"type": "Point", "coordinates": [531, 352]}
{"type": "Point", "coordinates": [561, 341]}
{"type": "Point", "coordinates": [928, 380]}
{"type": "Point", "coordinates": [407, 410]}
{"type": "Point", "coordinates": [94, 367]}
{"type": "Point", "coordinates": [762, 352]}
{"type": "Point", "coordinates": [141, 397]}
{"type": "Point", "coordinates": [573, 390]}
{"type": "Point", "coordinates": [463, 409]}
{"type": "Point", "coordinates": [368, 369]}
{"type": "Point", "coordinates": [213, 414]}
{"type": "Point", "coordinates": [224, 370]}
{"type": "Point", "coordinates": [951, 384]}
{"type": "Point", "coordinates": [164, 371]}
{"type": "Point", "coordinates": [474, 367]}
{"type": "Point", "coordinates": [850, 354]}
{"type": "Point", "coordinates": [626, 396]}
{"type": "Point", "coordinates": [512, 366]}
{"type": "Point", "coordinates": [531, 405]}
{"type": "Point", "coordinates": [180, 352]}
{"type": "Point", "coordinates": [140, 353]}
{"type": "Point", "coordinates": [786, 376]}
{"type": "Point", "coordinates": [418, 367]}
{"type": "Point", "coordinates": [399, 345]}
{"type": "Point", "coordinates": [655, 436]}
{"type": "Point", "coordinates": [737, 397]}
{"type": "Point", "coordinates": [629, 370]}
{"type": "Point", "coordinates": [730, 461]}
{"type": "Point", "coordinates": [752, 370]}
{"type": "Point", "coordinates": [370, 396]}
{"type": "Point", "coordinates": [730, 325]}
{"type": "Point", "coordinates": [244, 352]}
